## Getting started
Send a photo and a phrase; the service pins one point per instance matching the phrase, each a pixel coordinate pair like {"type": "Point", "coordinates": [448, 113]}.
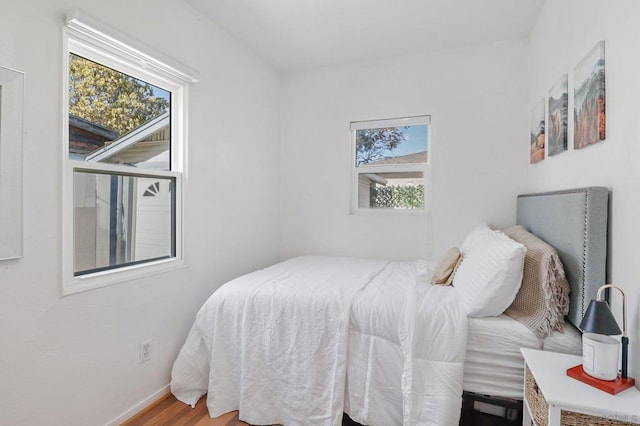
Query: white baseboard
{"type": "Point", "coordinates": [139, 406]}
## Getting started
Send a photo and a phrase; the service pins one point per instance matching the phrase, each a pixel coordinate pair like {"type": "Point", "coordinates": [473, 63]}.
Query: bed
{"type": "Point", "coordinates": [575, 223]}
{"type": "Point", "coordinates": [371, 338]}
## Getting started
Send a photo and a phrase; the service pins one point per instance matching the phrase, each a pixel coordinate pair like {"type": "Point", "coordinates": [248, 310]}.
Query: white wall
{"type": "Point", "coordinates": [477, 101]}
{"type": "Point", "coordinates": [74, 360]}
{"type": "Point", "coordinates": [565, 31]}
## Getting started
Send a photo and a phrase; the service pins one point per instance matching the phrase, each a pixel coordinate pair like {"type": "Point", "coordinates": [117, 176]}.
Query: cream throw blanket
{"type": "Point", "coordinates": [543, 299]}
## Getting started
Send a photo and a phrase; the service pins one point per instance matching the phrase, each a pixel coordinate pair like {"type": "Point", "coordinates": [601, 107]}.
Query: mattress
{"type": "Point", "coordinates": [494, 365]}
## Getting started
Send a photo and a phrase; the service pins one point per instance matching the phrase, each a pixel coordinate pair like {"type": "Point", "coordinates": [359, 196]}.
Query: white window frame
{"type": "Point", "coordinates": [89, 38]}
{"type": "Point", "coordinates": [425, 168]}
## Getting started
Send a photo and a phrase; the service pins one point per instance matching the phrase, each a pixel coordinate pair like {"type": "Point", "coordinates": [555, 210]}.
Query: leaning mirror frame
{"type": "Point", "coordinates": [11, 136]}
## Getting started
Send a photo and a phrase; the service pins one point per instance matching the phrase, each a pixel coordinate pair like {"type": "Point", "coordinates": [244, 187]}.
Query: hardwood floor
{"type": "Point", "coordinates": [170, 411]}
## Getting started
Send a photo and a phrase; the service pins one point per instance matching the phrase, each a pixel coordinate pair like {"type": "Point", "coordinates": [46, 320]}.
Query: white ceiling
{"type": "Point", "coordinates": [295, 34]}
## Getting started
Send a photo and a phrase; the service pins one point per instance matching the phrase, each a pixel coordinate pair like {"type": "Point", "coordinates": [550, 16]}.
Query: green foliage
{"type": "Point", "coordinates": [371, 144]}
{"type": "Point", "coordinates": [397, 196]}
{"type": "Point", "coordinates": [110, 98]}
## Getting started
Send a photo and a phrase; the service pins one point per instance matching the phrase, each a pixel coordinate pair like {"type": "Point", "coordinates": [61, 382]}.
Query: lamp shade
{"type": "Point", "coordinates": [599, 319]}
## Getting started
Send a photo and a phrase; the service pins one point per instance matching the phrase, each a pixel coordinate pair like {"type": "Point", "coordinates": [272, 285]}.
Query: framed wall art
{"type": "Point", "coordinates": [11, 133]}
{"type": "Point", "coordinates": [537, 141]}
{"type": "Point", "coordinates": [558, 107]}
{"type": "Point", "coordinates": [589, 99]}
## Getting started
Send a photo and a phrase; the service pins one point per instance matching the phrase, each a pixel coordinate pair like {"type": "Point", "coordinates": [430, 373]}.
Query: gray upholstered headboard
{"type": "Point", "coordinates": [574, 221]}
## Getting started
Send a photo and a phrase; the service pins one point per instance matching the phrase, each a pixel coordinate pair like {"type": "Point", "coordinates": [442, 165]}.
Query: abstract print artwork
{"type": "Point", "coordinates": [589, 99]}
{"type": "Point", "coordinates": [536, 146]}
{"type": "Point", "coordinates": [558, 113]}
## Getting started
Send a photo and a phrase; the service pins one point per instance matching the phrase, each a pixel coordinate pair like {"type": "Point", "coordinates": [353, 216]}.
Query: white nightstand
{"type": "Point", "coordinates": [553, 398]}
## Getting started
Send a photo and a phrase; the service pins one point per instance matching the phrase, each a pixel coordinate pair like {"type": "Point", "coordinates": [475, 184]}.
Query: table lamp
{"type": "Point", "coordinates": [599, 350]}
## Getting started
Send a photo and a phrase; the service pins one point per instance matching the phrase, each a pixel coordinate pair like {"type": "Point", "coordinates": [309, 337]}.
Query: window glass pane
{"type": "Point", "coordinates": [121, 220]}
{"type": "Point", "coordinates": [401, 190]}
{"type": "Point", "coordinates": [392, 145]}
{"type": "Point", "coordinates": [116, 118]}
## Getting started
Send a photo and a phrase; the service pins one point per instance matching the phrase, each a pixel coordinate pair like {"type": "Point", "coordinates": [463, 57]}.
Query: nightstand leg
{"type": "Point", "coordinates": [526, 418]}
{"type": "Point", "coordinates": [554, 415]}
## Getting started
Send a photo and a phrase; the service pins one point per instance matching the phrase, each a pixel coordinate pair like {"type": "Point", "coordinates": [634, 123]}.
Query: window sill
{"type": "Point", "coordinates": [74, 285]}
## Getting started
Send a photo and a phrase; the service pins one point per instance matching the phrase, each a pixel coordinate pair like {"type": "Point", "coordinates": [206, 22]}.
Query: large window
{"type": "Point", "coordinates": [390, 161]}
{"type": "Point", "coordinates": [123, 160]}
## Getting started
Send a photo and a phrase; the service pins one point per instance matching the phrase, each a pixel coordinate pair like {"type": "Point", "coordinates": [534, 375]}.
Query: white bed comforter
{"type": "Point", "coordinates": [275, 344]}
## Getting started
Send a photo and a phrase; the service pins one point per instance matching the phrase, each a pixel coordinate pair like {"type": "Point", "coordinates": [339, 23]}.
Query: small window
{"type": "Point", "coordinates": [123, 159]}
{"type": "Point", "coordinates": [152, 191]}
{"type": "Point", "coordinates": [390, 163]}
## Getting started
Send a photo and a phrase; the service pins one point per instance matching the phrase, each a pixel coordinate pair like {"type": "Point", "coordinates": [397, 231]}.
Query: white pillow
{"type": "Point", "coordinates": [490, 274]}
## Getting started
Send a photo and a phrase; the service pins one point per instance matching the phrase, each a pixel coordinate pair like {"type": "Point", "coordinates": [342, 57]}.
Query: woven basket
{"type": "Point", "coordinates": [570, 418]}
{"type": "Point", "coordinates": [537, 404]}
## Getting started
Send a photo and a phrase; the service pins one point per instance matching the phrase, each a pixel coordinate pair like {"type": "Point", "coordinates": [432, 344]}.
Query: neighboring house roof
{"type": "Point", "coordinates": [141, 144]}
{"type": "Point", "coordinates": [92, 127]}
{"type": "Point", "coordinates": [417, 158]}
{"type": "Point", "coordinates": [86, 136]}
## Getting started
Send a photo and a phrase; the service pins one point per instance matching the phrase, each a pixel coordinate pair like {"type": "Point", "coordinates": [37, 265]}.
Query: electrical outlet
{"type": "Point", "coordinates": [145, 351]}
